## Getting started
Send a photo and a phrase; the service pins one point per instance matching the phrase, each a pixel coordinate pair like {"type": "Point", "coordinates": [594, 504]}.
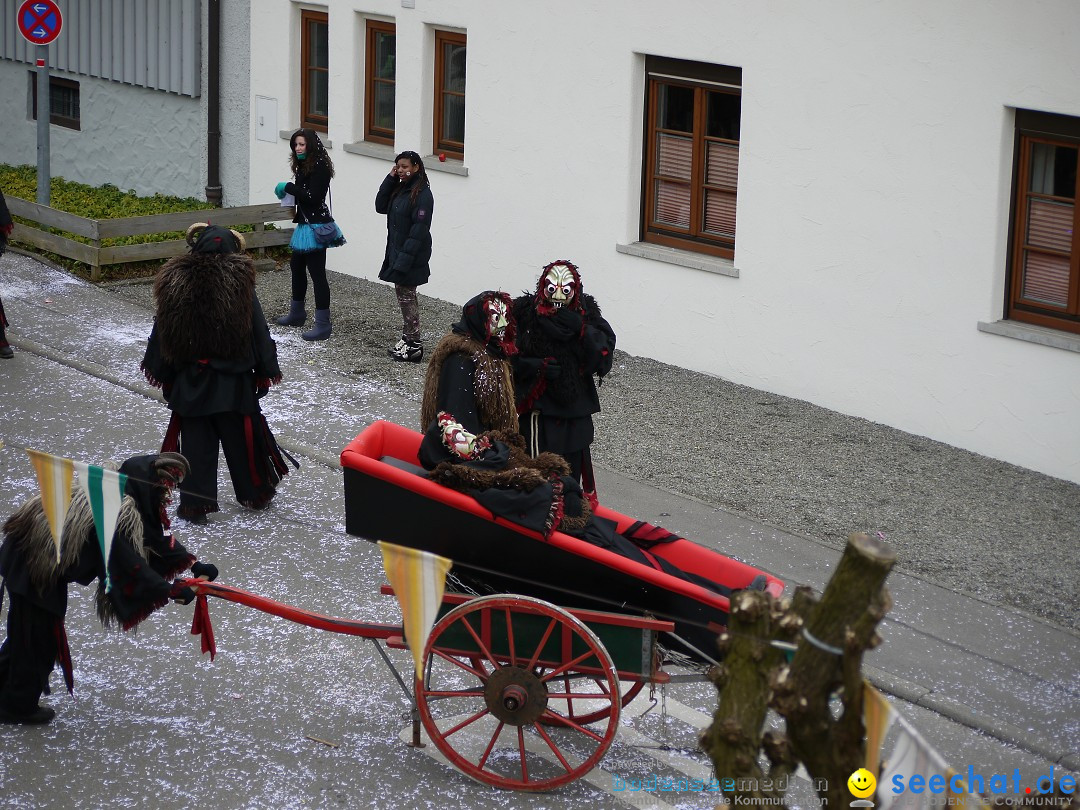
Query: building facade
{"type": "Point", "coordinates": [862, 205]}
{"type": "Point", "coordinates": [129, 101]}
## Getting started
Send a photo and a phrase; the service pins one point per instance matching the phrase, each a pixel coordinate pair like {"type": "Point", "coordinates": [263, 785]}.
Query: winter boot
{"type": "Point", "coordinates": [322, 329]}
{"type": "Point", "coordinates": [407, 351]}
{"type": "Point", "coordinates": [296, 317]}
{"type": "Point", "coordinates": [5, 349]}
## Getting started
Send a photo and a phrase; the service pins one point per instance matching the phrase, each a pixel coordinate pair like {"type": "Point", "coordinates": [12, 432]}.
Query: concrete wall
{"type": "Point", "coordinates": [874, 188]}
{"type": "Point", "coordinates": [236, 119]}
{"type": "Point", "coordinates": [132, 137]}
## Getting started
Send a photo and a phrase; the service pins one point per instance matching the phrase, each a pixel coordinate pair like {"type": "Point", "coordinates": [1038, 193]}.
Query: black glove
{"type": "Point", "coordinates": [181, 594]}
{"type": "Point", "coordinates": [563, 325]}
{"type": "Point", "coordinates": [208, 570]}
{"type": "Point", "coordinates": [261, 391]}
{"type": "Point", "coordinates": [552, 369]}
{"type": "Point", "coordinates": [569, 319]}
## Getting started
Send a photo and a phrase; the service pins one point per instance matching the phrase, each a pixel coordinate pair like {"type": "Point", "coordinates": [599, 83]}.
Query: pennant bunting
{"type": "Point", "coordinates": [54, 476]}
{"type": "Point", "coordinates": [913, 755]}
{"type": "Point", "coordinates": [418, 579]}
{"type": "Point", "coordinates": [105, 490]}
{"type": "Point", "coordinates": [878, 716]}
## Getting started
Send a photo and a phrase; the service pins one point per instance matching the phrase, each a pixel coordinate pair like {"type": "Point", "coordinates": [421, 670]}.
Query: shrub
{"type": "Point", "coordinates": [104, 202]}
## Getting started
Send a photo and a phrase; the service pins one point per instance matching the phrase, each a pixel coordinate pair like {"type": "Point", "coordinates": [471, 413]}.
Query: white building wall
{"type": "Point", "coordinates": [874, 188]}
{"type": "Point", "coordinates": [237, 121]}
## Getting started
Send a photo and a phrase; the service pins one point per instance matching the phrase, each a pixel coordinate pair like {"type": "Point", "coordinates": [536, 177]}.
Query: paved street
{"type": "Point", "coordinates": [291, 717]}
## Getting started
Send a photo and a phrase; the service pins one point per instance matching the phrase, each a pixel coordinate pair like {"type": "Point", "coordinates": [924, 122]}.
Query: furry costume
{"type": "Point", "coordinates": [211, 353]}
{"type": "Point", "coordinates": [563, 342]}
{"type": "Point", "coordinates": [204, 303]}
{"type": "Point", "coordinates": [143, 558]}
{"type": "Point", "coordinates": [468, 378]}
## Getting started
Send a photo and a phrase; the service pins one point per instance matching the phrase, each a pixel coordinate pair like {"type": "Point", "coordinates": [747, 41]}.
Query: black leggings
{"type": "Point", "coordinates": [314, 263]}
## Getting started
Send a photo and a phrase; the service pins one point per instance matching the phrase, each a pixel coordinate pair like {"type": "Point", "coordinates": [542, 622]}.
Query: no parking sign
{"type": "Point", "coordinates": [39, 21]}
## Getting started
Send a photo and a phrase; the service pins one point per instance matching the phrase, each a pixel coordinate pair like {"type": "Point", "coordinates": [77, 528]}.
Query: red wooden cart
{"type": "Point", "coordinates": [516, 690]}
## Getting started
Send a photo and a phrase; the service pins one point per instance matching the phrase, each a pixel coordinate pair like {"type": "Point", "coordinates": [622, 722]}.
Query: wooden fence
{"type": "Point", "coordinates": [93, 254]}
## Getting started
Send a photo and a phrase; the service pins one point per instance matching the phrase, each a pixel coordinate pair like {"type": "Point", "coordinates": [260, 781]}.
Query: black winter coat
{"type": "Point", "coordinates": [408, 232]}
{"type": "Point", "coordinates": [310, 191]}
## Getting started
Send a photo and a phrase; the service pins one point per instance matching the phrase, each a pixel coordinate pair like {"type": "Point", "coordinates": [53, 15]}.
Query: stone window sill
{"type": "Point", "coordinates": [433, 164]}
{"type": "Point", "coordinates": [1032, 334]}
{"type": "Point", "coordinates": [375, 150]}
{"type": "Point", "coordinates": [682, 258]}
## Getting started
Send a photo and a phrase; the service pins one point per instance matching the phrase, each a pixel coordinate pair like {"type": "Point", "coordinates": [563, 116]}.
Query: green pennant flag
{"type": "Point", "coordinates": [104, 490]}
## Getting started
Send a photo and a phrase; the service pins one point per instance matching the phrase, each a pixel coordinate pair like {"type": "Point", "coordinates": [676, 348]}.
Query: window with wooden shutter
{"type": "Point", "coordinates": [1044, 284]}
{"type": "Point", "coordinates": [691, 155]}
{"type": "Point", "coordinates": [314, 70]}
{"type": "Point", "coordinates": [449, 113]}
{"type": "Point", "coordinates": [379, 83]}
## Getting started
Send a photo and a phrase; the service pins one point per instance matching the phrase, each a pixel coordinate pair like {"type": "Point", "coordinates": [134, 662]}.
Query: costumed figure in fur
{"type": "Point", "coordinates": [563, 342]}
{"type": "Point", "coordinates": [211, 353]}
{"type": "Point", "coordinates": [6, 226]}
{"type": "Point", "coordinates": [144, 557]}
{"type": "Point", "coordinates": [471, 441]}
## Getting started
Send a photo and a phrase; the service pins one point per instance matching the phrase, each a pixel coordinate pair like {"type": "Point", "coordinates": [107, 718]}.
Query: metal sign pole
{"type": "Point", "coordinates": [44, 113]}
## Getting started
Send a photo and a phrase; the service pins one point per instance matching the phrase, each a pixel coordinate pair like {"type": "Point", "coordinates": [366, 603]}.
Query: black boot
{"type": "Point", "coordinates": [296, 317]}
{"type": "Point", "coordinates": [322, 328]}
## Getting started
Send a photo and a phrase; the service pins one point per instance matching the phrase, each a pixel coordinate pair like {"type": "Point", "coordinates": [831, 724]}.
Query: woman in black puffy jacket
{"type": "Point", "coordinates": [405, 198]}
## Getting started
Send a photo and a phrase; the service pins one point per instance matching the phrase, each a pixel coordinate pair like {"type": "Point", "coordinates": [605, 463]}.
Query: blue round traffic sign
{"type": "Point", "coordinates": [40, 21]}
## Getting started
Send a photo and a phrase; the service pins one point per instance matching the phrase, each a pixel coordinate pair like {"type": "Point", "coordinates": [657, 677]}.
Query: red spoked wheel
{"type": "Point", "coordinates": [495, 702]}
{"type": "Point", "coordinates": [588, 714]}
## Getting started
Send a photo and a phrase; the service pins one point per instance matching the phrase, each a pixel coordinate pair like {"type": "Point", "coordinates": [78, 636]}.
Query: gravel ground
{"type": "Point", "coordinates": [970, 523]}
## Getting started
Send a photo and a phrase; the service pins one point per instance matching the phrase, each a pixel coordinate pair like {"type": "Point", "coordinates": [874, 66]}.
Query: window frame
{"type": "Point", "coordinates": [55, 118]}
{"type": "Point", "coordinates": [1057, 130]}
{"type": "Point", "coordinates": [309, 120]}
{"type": "Point", "coordinates": [372, 132]}
{"type": "Point", "coordinates": [451, 148]}
{"type": "Point", "coordinates": [702, 78]}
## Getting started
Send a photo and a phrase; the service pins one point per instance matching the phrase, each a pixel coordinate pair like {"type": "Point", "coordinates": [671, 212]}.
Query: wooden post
{"type": "Point", "coordinates": [95, 246]}
{"type": "Point", "coordinates": [734, 739]}
{"type": "Point", "coordinates": [828, 664]}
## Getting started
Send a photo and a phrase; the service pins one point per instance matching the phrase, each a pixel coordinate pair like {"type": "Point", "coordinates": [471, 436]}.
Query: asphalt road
{"type": "Point", "coordinates": [291, 717]}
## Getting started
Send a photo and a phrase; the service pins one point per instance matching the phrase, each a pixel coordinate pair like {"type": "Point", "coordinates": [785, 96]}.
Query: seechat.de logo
{"type": "Point", "coordinates": [862, 785]}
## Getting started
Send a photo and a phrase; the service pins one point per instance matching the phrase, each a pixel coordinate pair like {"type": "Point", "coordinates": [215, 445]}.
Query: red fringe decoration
{"type": "Point", "coordinates": [63, 656]}
{"type": "Point", "coordinates": [134, 621]}
{"type": "Point", "coordinates": [171, 442]}
{"type": "Point", "coordinates": [537, 391]}
{"type": "Point", "coordinates": [200, 626]}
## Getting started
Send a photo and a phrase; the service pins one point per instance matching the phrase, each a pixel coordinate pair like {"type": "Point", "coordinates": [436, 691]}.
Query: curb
{"type": "Point", "coordinates": [958, 712]}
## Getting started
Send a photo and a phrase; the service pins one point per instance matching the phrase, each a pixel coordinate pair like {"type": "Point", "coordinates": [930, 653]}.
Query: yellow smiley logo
{"type": "Point", "coordinates": [862, 784]}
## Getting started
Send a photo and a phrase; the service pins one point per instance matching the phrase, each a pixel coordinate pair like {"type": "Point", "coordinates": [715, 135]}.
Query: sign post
{"type": "Point", "coordinates": [40, 22]}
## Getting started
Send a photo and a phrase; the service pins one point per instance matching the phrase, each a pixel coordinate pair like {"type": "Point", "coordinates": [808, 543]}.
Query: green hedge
{"type": "Point", "coordinates": [104, 202]}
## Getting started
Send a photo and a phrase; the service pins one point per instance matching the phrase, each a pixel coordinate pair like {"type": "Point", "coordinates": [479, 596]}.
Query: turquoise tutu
{"type": "Point", "coordinates": [304, 241]}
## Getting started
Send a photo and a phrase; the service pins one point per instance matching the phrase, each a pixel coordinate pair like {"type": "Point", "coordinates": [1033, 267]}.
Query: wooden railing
{"type": "Point", "coordinates": [95, 230]}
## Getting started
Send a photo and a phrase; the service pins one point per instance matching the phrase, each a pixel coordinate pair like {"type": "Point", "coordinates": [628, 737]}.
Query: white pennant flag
{"type": "Point", "coordinates": [105, 490]}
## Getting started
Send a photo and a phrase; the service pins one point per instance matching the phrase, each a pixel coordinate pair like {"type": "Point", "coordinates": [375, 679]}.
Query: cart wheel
{"type": "Point", "coordinates": [492, 701]}
{"type": "Point", "coordinates": [631, 689]}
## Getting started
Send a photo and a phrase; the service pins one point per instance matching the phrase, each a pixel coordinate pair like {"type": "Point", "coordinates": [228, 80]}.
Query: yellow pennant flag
{"type": "Point", "coordinates": [418, 578]}
{"type": "Point", "coordinates": [878, 715]}
{"type": "Point", "coordinates": [54, 476]}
